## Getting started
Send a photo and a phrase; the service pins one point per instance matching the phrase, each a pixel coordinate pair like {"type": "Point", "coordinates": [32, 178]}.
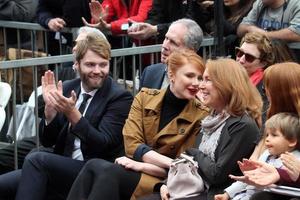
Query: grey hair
{"type": "Point", "coordinates": [194, 36]}
{"type": "Point", "coordinates": [86, 29]}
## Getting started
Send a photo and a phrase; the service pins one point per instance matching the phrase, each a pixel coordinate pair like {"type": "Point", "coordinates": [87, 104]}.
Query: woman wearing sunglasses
{"type": "Point", "coordinates": [255, 54]}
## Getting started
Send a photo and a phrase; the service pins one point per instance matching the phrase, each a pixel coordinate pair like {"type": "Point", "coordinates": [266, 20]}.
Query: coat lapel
{"type": "Point", "coordinates": [154, 106]}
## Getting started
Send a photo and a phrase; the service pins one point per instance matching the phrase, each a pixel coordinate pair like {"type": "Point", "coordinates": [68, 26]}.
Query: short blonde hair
{"type": "Point", "coordinates": [95, 43]}
{"type": "Point", "coordinates": [288, 124]}
{"type": "Point", "coordinates": [235, 88]}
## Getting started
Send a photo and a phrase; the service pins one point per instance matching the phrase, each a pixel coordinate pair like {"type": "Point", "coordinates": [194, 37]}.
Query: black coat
{"type": "Point", "coordinates": [164, 12]}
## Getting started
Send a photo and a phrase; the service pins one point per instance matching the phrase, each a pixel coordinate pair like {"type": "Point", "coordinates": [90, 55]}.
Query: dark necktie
{"type": "Point", "coordinates": [69, 146]}
{"type": "Point", "coordinates": [84, 102]}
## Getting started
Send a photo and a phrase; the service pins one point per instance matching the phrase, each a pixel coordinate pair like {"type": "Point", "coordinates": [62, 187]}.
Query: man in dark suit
{"type": "Point", "coordinates": [77, 132]}
{"type": "Point", "coordinates": [25, 145]}
{"type": "Point", "coordinates": [182, 34]}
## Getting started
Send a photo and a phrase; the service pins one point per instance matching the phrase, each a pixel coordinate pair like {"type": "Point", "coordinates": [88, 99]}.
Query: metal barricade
{"type": "Point", "coordinates": [35, 63]}
{"type": "Point", "coordinates": [22, 40]}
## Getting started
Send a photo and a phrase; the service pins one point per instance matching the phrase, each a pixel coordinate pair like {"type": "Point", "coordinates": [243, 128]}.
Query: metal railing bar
{"type": "Point", "coordinates": [30, 26]}
{"type": "Point", "coordinates": [35, 61]}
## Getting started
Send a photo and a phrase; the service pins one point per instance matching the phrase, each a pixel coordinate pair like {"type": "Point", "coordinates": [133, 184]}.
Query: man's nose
{"type": "Point", "coordinates": [97, 69]}
{"type": "Point", "coordinates": [242, 59]}
{"type": "Point", "coordinates": [165, 45]}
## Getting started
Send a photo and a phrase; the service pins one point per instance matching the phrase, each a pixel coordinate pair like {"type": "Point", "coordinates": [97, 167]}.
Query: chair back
{"type": "Point", "coordinates": [5, 92]}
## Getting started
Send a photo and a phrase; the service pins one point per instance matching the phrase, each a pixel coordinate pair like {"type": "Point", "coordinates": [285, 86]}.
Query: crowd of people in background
{"type": "Point", "coordinates": [237, 116]}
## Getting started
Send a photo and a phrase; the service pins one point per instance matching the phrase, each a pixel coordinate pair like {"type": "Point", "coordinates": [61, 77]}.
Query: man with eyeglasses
{"type": "Point", "coordinates": [278, 19]}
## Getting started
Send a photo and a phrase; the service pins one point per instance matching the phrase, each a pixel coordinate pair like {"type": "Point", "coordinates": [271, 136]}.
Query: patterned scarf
{"type": "Point", "coordinates": [212, 126]}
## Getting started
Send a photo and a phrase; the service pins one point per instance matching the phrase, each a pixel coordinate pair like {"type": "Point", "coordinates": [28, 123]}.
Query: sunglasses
{"type": "Point", "coordinates": [248, 57]}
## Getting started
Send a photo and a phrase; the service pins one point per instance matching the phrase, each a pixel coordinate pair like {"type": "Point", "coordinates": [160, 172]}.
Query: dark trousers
{"type": "Point", "coordinates": [7, 154]}
{"type": "Point", "coordinates": [100, 179]}
{"type": "Point", "coordinates": [42, 174]}
{"type": "Point", "coordinates": [9, 184]}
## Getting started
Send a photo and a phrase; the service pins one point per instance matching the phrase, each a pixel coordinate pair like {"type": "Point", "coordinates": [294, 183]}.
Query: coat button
{"type": "Point", "coordinates": [155, 92]}
{"type": "Point", "coordinates": [181, 131]}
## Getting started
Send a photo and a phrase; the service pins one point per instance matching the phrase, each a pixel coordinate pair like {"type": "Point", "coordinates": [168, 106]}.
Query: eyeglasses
{"type": "Point", "coordinates": [248, 57]}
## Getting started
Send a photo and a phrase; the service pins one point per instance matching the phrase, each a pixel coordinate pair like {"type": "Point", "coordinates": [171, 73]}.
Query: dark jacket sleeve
{"type": "Point", "coordinates": [286, 180]}
{"type": "Point", "coordinates": [157, 16]}
{"type": "Point", "coordinates": [50, 132]}
{"type": "Point", "coordinates": [18, 10]}
{"type": "Point", "coordinates": [198, 14]}
{"type": "Point", "coordinates": [229, 28]}
{"type": "Point", "coordinates": [108, 133]}
{"type": "Point", "coordinates": [237, 141]}
{"type": "Point", "coordinates": [47, 10]}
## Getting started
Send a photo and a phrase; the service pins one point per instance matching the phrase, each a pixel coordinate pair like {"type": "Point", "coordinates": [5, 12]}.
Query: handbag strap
{"type": "Point", "coordinates": [189, 158]}
{"type": "Point", "coordinates": [178, 160]}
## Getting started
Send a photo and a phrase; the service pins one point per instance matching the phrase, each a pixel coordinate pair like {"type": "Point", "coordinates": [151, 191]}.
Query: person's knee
{"type": "Point", "coordinates": [9, 183]}
{"type": "Point", "coordinates": [98, 164]}
{"type": "Point", "coordinates": [100, 167]}
{"type": "Point", "coordinates": [35, 158]}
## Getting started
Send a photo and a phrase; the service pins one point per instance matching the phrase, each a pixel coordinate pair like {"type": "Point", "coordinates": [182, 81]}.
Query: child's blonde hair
{"type": "Point", "coordinates": [288, 124]}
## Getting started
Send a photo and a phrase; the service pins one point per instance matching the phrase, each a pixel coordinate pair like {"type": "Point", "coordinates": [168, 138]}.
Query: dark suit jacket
{"type": "Point", "coordinates": [69, 10]}
{"type": "Point", "coordinates": [164, 12]}
{"type": "Point", "coordinates": [100, 130]}
{"type": "Point", "coordinates": [153, 76]}
{"type": "Point", "coordinates": [238, 139]}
